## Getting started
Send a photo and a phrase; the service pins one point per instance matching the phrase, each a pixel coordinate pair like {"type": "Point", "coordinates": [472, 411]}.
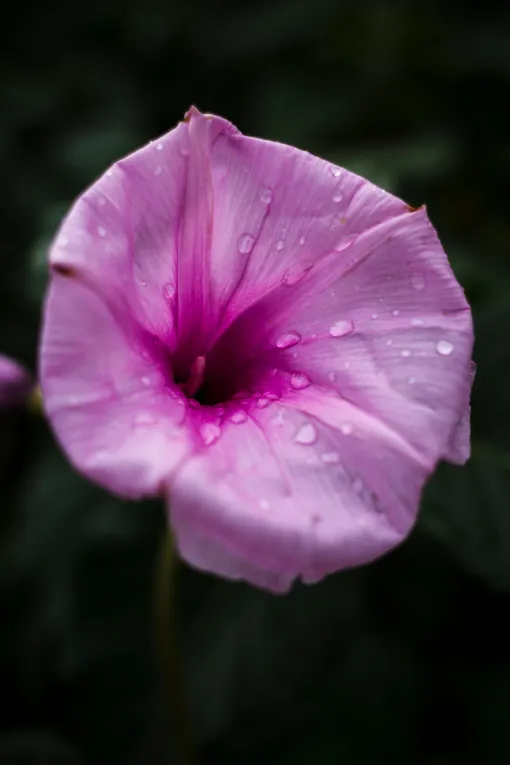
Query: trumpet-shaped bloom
{"type": "Point", "coordinates": [274, 343]}
{"type": "Point", "coordinates": [15, 383]}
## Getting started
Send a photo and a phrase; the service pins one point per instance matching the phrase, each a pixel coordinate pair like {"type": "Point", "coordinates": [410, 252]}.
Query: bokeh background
{"type": "Point", "coordinates": [404, 661]}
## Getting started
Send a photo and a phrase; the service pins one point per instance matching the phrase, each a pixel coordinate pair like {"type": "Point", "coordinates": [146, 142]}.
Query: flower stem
{"type": "Point", "coordinates": [168, 654]}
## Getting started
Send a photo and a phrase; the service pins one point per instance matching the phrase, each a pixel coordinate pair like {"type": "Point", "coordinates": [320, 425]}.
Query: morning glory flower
{"type": "Point", "coordinates": [271, 342]}
{"type": "Point", "coordinates": [15, 383]}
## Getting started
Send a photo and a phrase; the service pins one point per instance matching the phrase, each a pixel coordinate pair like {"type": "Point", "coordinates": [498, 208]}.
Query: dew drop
{"type": "Point", "coordinates": [299, 381]}
{"type": "Point", "coordinates": [245, 243]}
{"type": "Point", "coordinates": [185, 151]}
{"type": "Point", "coordinates": [288, 339]}
{"type": "Point", "coordinates": [405, 353]}
{"type": "Point", "coordinates": [238, 417]}
{"type": "Point", "coordinates": [395, 312]}
{"type": "Point", "coordinates": [293, 276]}
{"type": "Point", "coordinates": [169, 291]}
{"type": "Point", "coordinates": [337, 197]}
{"type": "Point", "coordinates": [375, 316]}
{"type": "Point", "coordinates": [417, 322]}
{"type": "Point", "coordinates": [109, 173]}
{"type": "Point", "coordinates": [63, 241]}
{"type": "Point", "coordinates": [266, 196]}
{"type": "Point", "coordinates": [444, 347]}
{"type": "Point", "coordinates": [347, 365]}
{"type": "Point", "coordinates": [159, 146]}
{"type": "Point", "coordinates": [302, 241]}
{"type": "Point", "coordinates": [210, 432]}
{"type": "Point", "coordinates": [143, 283]}
{"type": "Point", "coordinates": [341, 328]}
{"type": "Point", "coordinates": [330, 458]}
{"type": "Point", "coordinates": [158, 170]}
{"type": "Point", "coordinates": [418, 281]}
{"type": "Point", "coordinates": [306, 434]}
{"type": "Point", "coordinates": [346, 428]}
{"type": "Point", "coordinates": [101, 231]}
{"type": "Point", "coordinates": [332, 376]}
{"type": "Point", "coordinates": [263, 402]}
{"type": "Point", "coordinates": [411, 380]}
{"type": "Point", "coordinates": [264, 504]}
{"type": "Point", "coordinates": [389, 342]}
{"type": "Point", "coordinates": [280, 244]}
{"type": "Point", "coordinates": [335, 171]}
{"type": "Point", "coordinates": [146, 381]}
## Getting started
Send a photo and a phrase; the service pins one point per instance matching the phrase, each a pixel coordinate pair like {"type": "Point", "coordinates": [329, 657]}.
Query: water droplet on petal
{"type": "Point", "coordinates": [263, 402]}
{"type": "Point", "coordinates": [346, 428]}
{"type": "Point", "coordinates": [245, 244]}
{"type": "Point", "coordinates": [417, 322]}
{"type": "Point", "coordinates": [337, 197]}
{"type": "Point", "coordinates": [330, 458]}
{"type": "Point", "coordinates": [266, 196]}
{"type": "Point", "coordinates": [63, 241]}
{"type": "Point", "coordinates": [389, 342]}
{"type": "Point", "coordinates": [143, 283]}
{"type": "Point", "coordinates": [405, 353]}
{"type": "Point", "coordinates": [101, 231]}
{"type": "Point", "coordinates": [146, 381]}
{"type": "Point", "coordinates": [238, 417]}
{"type": "Point", "coordinates": [288, 339]}
{"type": "Point", "coordinates": [444, 347]}
{"type": "Point", "coordinates": [264, 504]}
{"type": "Point", "coordinates": [395, 312]}
{"type": "Point", "coordinates": [335, 171]}
{"type": "Point", "coordinates": [299, 381]}
{"type": "Point", "coordinates": [332, 376]}
{"type": "Point", "coordinates": [302, 241]}
{"type": "Point", "coordinates": [109, 173]}
{"type": "Point", "coordinates": [280, 244]}
{"type": "Point", "coordinates": [158, 170]}
{"type": "Point", "coordinates": [159, 146]}
{"type": "Point", "coordinates": [210, 432]}
{"type": "Point", "coordinates": [375, 316]}
{"type": "Point", "coordinates": [169, 291]}
{"type": "Point", "coordinates": [418, 281]}
{"type": "Point", "coordinates": [306, 434]}
{"type": "Point", "coordinates": [185, 151]}
{"type": "Point", "coordinates": [293, 276]}
{"type": "Point", "coordinates": [411, 380]}
{"type": "Point", "coordinates": [341, 328]}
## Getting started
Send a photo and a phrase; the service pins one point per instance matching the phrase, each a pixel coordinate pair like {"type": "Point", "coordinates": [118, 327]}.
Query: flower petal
{"type": "Point", "coordinates": [109, 401]}
{"type": "Point", "coordinates": [301, 489]}
{"type": "Point", "coordinates": [383, 323]}
{"type": "Point", "coordinates": [15, 382]}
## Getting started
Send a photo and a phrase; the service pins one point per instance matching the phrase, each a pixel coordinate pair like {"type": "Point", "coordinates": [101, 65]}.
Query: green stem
{"type": "Point", "coordinates": [167, 647]}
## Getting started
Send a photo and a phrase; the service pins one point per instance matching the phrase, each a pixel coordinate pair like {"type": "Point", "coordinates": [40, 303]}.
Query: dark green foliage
{"type": "Point", "coordinates": [406, 661]}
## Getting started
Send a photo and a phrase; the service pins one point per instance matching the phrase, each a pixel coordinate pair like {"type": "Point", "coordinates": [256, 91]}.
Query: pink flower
{"type": "Point", "coordinates": [274, 343]}
{"type": "Point", "coordinates": [15, 383]}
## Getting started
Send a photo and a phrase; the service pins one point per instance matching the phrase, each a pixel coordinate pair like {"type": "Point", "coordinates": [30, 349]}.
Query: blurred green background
{"type": "Point", "coordinates": [405, 661]}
